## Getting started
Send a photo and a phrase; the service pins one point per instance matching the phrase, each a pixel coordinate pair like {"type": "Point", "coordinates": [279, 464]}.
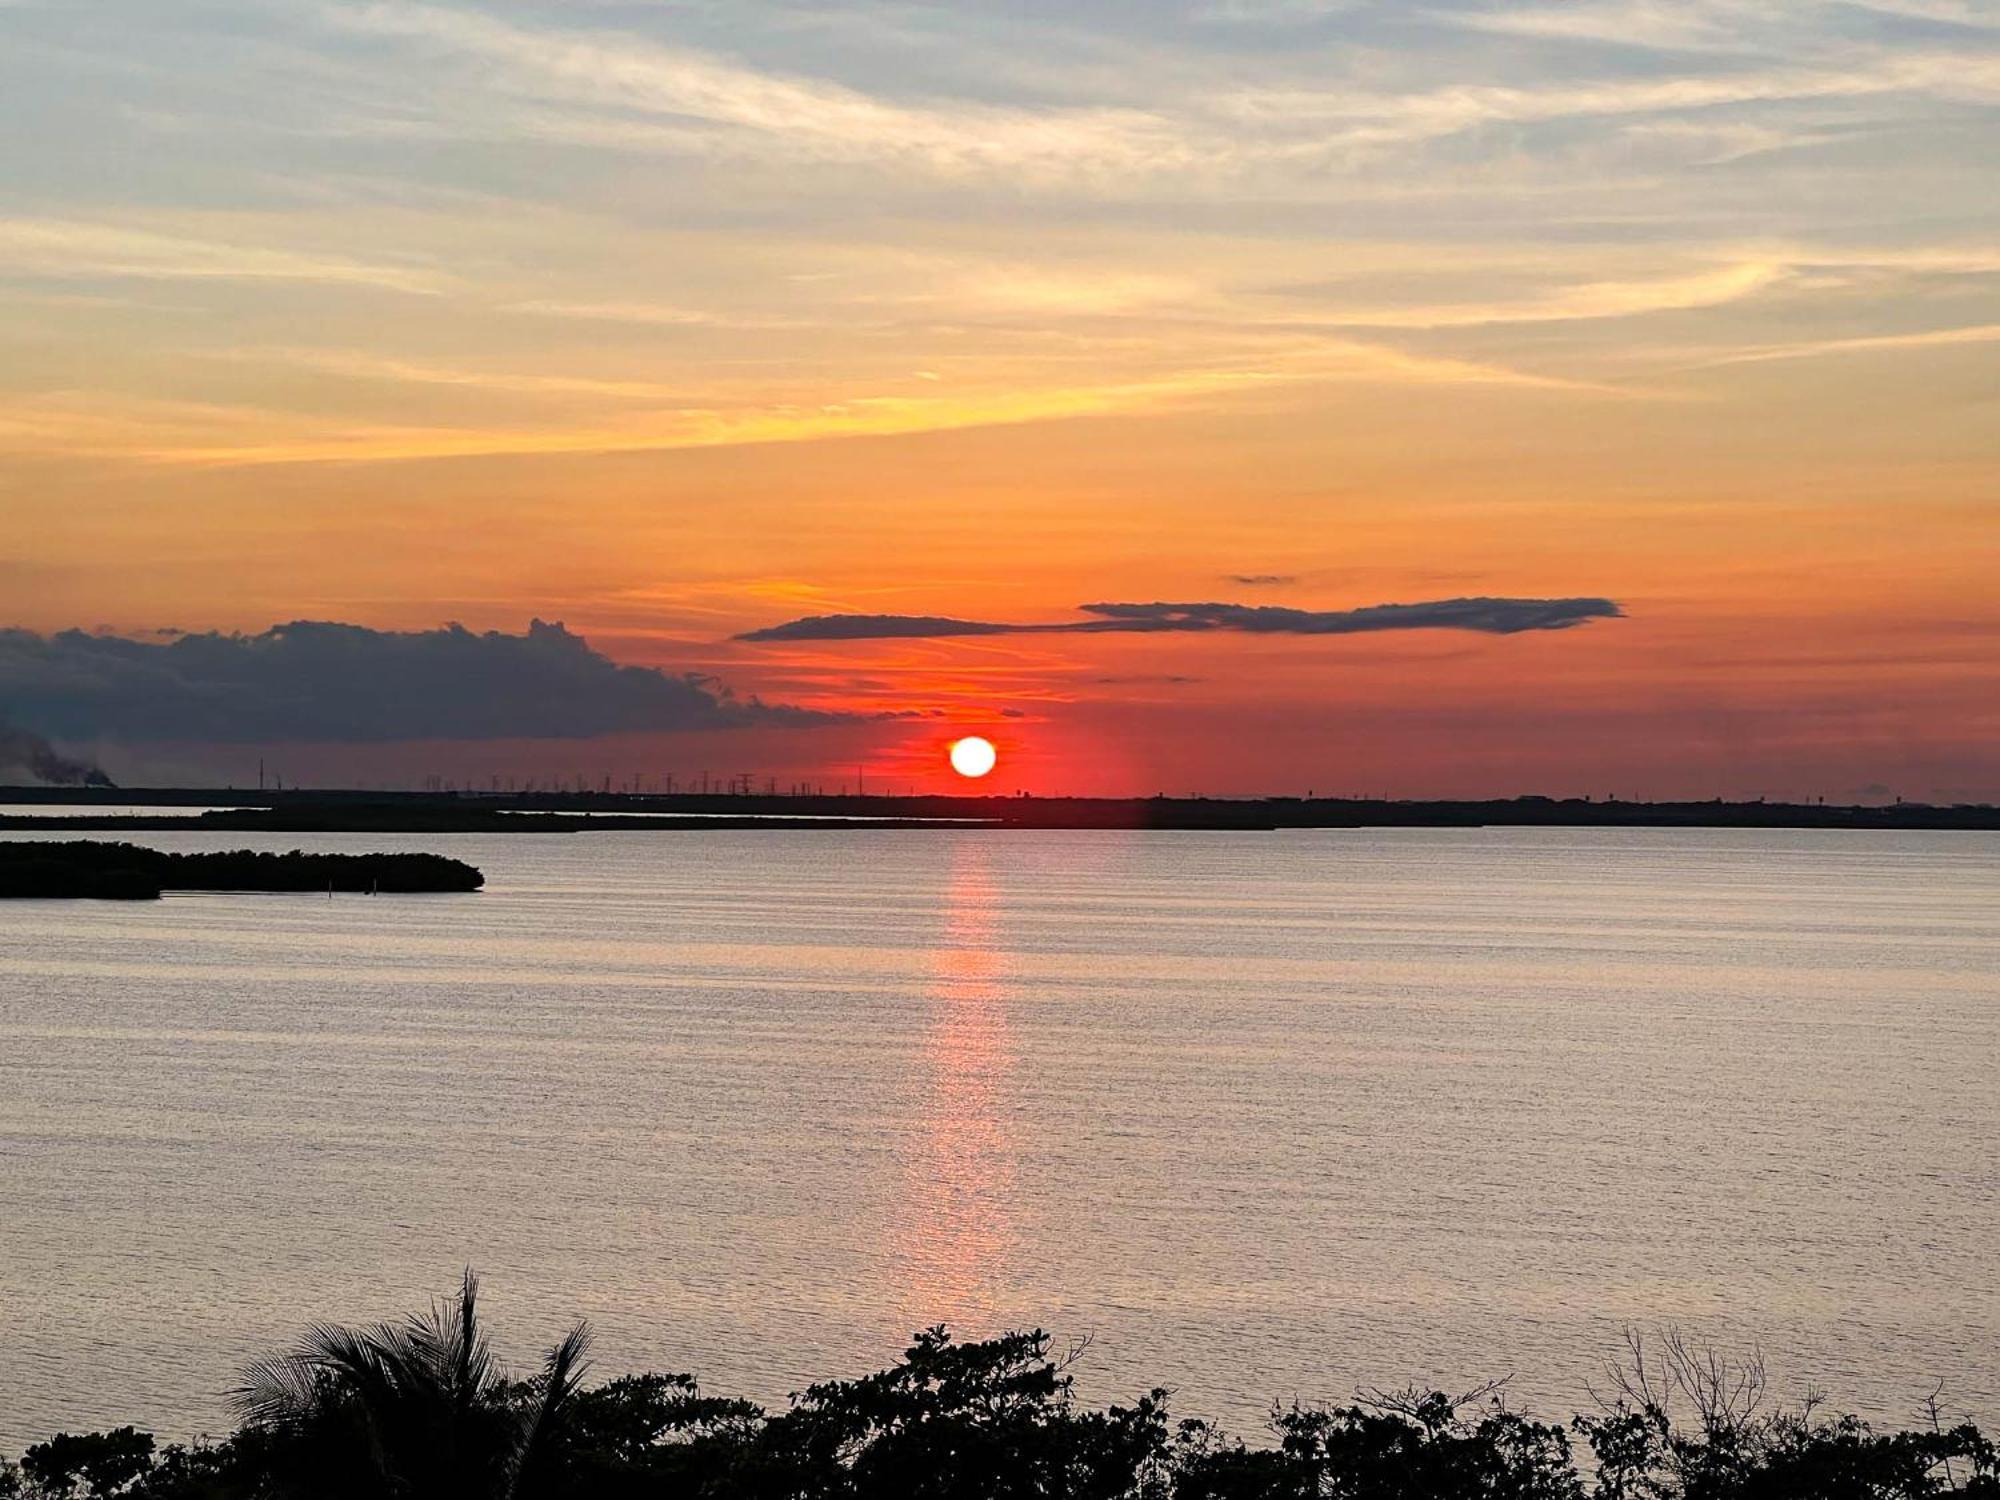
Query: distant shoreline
{"type": "Point", "coordinates": [481, 812]}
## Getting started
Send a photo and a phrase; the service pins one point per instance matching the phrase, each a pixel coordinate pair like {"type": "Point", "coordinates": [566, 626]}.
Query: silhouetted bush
{"type": "Point", "coordinates": [85, 868]}
{"type": "Point", "coordinates": [95, 1464]}
{"type": "Point", "coordinates": [421, 1411]}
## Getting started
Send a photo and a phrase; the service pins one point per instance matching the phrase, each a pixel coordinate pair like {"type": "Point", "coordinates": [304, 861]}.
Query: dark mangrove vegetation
{"type": "Point", "coordinates": [126, 872]}
{"type": "Point", "coordinates": [421, 1410]}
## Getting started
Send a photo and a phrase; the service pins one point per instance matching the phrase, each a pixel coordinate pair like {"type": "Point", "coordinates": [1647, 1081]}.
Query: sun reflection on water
{"type": "Point", "coordinates": [956, 1232]}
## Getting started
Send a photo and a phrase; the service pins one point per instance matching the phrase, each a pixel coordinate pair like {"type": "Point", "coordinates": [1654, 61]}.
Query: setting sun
{"type": "Point", "coordinates": [973, 756]}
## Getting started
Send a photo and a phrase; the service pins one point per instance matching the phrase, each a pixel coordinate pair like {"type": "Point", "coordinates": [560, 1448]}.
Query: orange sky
{"type": "Point", "coordinates": [673, 328]}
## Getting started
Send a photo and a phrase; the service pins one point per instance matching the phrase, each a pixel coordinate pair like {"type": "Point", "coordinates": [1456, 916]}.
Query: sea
{"type": "Point", "coordinates": [1253, 1117]}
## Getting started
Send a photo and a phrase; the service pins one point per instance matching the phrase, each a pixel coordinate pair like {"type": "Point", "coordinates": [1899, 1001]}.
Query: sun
{"type": "Point", "coordinates": [973, 756]}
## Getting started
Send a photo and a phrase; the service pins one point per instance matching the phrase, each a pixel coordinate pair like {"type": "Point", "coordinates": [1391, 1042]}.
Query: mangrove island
{"type": "Point", "coordinates": [89, 869]}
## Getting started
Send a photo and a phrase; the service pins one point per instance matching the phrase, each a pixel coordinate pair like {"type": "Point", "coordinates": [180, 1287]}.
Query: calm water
{"type": "Point", "coordinates": [1264, 1114]}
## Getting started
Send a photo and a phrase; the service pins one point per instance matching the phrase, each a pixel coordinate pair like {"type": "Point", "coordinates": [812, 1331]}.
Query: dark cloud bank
{"type": "Point", "coordinates": [1491, 616]}
{"type": "Point", "coordinates": [317, 681]}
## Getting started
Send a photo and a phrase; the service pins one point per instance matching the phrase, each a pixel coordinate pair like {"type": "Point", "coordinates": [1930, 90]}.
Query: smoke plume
{"type": "Point", "coordinates": [31, 753]}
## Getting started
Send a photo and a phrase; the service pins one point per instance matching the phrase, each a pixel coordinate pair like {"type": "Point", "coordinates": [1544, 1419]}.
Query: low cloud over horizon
{"type": "Point", "coordinates": [317, 680]}
{"type": "Point", "coordinates": [1488, 616]}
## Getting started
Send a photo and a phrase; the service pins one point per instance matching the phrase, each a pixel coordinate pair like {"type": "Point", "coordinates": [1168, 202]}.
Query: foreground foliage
{"type": "Point", "coordinates": [421, 1409]}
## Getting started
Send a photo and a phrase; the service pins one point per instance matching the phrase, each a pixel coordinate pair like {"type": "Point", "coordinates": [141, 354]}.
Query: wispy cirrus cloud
{"type": "Point", "coordinates": [628, 92]}
{"type": "Point", "coordinates": [1584, 302]}
{"type": "Point", "coordinates": [1331, 118]}
{"type": "Point", "coordinates": [678, 97]}
{"type": "Point", "coordinates": [652, 315]}
{"type": "Point", "coordinates": [1485, 615]}
{"type": "Point", "coordinates": [360, 365]}
{"type": "Point", "coordinates": [75, 249]}
{"type": "Point", "coordinates": [1703, 25]}
{"type": "Point", "coordinates": [243, 436]}
{"type": "Point", "coordinates": [1930, 338]}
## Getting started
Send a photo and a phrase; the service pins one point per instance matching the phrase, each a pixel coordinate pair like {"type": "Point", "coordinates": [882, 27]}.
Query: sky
{"type": "Point", "coordinates": [392, 391]}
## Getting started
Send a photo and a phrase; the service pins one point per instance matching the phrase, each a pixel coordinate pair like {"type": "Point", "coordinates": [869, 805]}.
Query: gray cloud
{"type": "Point", "coordinates": [1489, 616]}
{"type": "Point", "coordinates": [315, 680]}
{"type": "Point", "coordinates": [1262, 580]}
{"type": "Point", "coordinates": [882, 627]}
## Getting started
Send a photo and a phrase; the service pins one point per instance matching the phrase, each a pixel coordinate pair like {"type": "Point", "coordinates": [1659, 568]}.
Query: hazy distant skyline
{"type": "Point", "coordinates": [683, 323]}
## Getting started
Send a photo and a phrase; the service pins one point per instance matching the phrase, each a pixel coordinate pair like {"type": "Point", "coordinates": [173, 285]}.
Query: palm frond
{"type": "Point", "coordinates": [470, 1357]}
{"type": "Point", "coordinates": [279, 1391]}
{"type": "Point", "coordinates": [562, 1376]}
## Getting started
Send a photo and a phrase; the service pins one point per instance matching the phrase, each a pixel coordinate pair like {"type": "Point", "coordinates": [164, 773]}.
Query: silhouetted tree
{"type": "Point", "coordinates": [983, 1421]}
{"type": "Point", "coordinates": [646, 1435]}
{"type": "Point", "coordinates": [416, 1409]}
{"type": "Point", "coordinates": [1407, 1445]}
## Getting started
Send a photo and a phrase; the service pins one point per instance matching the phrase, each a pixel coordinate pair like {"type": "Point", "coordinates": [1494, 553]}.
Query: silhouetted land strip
{"type": "Point", "coordinates": [422, 1410]}
{"type": "Point", "coordinates": [126, 872]}
{"type": "Point", "coordinates": [447, 812]}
